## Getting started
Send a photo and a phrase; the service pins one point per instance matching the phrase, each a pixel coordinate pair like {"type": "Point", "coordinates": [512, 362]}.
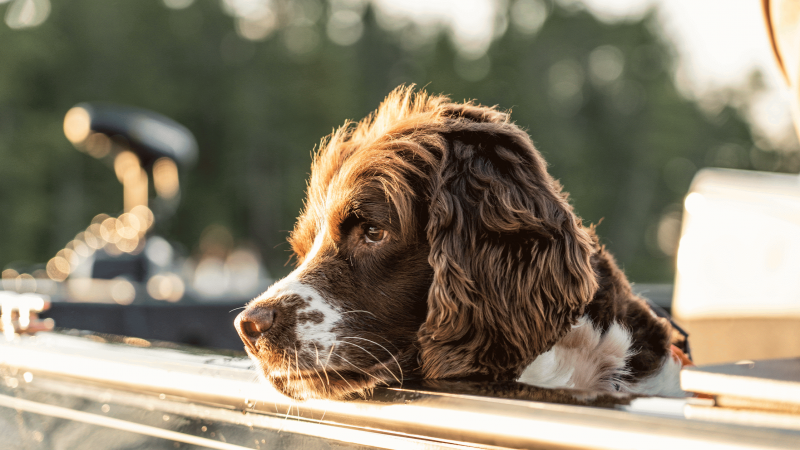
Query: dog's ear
{"type": "Point", "coordinates": [511, 261]}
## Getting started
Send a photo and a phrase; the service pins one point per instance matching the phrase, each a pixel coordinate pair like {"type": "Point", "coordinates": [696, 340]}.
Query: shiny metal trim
{"type": "Point", "coordinates": [110, 422]}
{"type": "Point", "coordinates": [286, 424]}
{"type": "Point", "coordinates": [231, 383]}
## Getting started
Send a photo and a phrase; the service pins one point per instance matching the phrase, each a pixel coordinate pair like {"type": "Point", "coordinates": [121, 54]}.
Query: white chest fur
{"type": "Point", "coordinates": [588, 359]}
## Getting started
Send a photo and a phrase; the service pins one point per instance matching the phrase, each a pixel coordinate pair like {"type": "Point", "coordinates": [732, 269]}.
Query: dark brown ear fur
{"type": "Point", "coordinates": [511, 260]}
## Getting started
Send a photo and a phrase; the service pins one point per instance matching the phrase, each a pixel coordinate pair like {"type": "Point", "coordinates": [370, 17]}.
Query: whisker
{"type": "Point", "coordinates": [328, 384]}
{"type": "Point", "coordinates": [360, 310]}
{"type": "Point", "coordinates": [327, 362]}
{"type": "Point", "coordinates": [378, 336]}
{"type": "Point", "coordinates": [234, 309]}
{"type": "Point", "coordinates": [316, 371]}
{"type": "Point", "coordinates": [323, 367]}
{"type": "Point", "coordinates": [376, 359]}
{"type": "Point", "coordinates": [402, 377]}
{"type": "Point", "coordinates": [289, 374]}
{"type": "Point", "coordinates": [282, 363]}
{"type": "Point", "coordinates": [358, 368]}
{"type": "Point", "coordinates": [329, 354]}
{"type": "Point", "coordinates": [296, 362]}
{"type": "Point", "coordinates": [286, 417]}
{"type": "Point", "coordinates": [343, 378]}
{"type": "Point", "coordinates": [299, 374]}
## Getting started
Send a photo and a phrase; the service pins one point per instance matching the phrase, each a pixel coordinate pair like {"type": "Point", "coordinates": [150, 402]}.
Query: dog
{"type": "Point", "coordinates": [434, 244]}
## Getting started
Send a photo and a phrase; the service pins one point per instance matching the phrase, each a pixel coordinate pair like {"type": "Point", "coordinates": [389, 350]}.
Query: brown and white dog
{"type": "Point", "coordinates": [434, 244]}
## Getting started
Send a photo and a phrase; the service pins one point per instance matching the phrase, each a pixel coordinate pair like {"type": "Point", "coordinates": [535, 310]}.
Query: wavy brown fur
{"type": "Point", "coordinates": [506, 264]}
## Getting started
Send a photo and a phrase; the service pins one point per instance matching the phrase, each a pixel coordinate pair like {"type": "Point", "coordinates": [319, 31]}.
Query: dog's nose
{"type": "Point", "coordinates": [253, 322]}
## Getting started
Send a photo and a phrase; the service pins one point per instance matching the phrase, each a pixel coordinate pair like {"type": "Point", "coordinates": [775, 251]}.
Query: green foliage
{"type": "Point", "coordinates": [625, 147]}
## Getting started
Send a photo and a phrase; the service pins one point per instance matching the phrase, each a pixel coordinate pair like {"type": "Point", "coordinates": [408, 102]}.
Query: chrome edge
{"type": "Point", "coordinates": [231, 384]}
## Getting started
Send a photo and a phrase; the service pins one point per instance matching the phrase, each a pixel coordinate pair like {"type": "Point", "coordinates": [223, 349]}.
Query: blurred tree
{"type": "Point", "coordinates": [598, 100]}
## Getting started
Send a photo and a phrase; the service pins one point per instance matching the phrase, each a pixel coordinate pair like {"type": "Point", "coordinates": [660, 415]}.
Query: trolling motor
{"type": "Point", "coordinates": [140, 144]}
{"type": "Point", "coordinates": [138, 140]}
{"type": "Point", "coordinates": [118, 276]}
{"type": "Point", "coordinates": [150, 135]}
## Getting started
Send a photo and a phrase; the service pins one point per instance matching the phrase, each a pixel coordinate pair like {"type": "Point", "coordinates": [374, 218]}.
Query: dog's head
{"type": "Point", "coordinates": [433, 242]}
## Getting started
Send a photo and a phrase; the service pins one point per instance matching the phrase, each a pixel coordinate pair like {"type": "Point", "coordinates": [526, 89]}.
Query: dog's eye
{"type": "Point", "coordinates": [374, 234]}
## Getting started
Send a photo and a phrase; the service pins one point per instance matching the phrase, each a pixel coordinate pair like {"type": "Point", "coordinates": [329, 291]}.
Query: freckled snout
{"type": "Point", "coordinates": [253, 322]}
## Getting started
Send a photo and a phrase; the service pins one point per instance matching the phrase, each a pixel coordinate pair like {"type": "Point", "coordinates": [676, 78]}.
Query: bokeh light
{"type": "Point", "coordinates": [70, 257]}
{"type": "Point", "coordinates": [126, 163]}
{"type": "Point", "coordinates": [145, 216]}
{"type": "Point", "coordinates": [97, 145]}
{"type": "Point", "coordinates": [257, 28]}
{"type": "Point", "coordinates": [165, 178]}
{"type": "Point", "coordinates": [108, 230]}
{"type": "Point", "coordinates": [25, 283]}
{"type": "Point", "coordinates": [178, 4]}
{"type": "Point", "coordinates": [27, 13]}
{"type": "Point", "coordinates": [128, 226]}
{"type": "Point", "coordinates": [528, 16]}
{"type": "Point", "coordinates": [8, 278]}
{"type": "Point", "coordinates": [159, 251]}
{"type": "Point", "coordinates": [605, 64]}
{"type": "Point", "coordinates": [211, 277]}
{"type": "Point", "coordinates": [58, 269]}
{"type": "Point", "coordinates": [576, 83]}
{"type": "Point", "coordinates": [92, 237]}
{"type": "Point", "coordinates": [19, 282]}
{"type": "Point", "coordinates": [243, 267]}
{"type": "Point", "coordinates": [115, 235]}
{"type": "Point", "coordinates": [345, 27]}
{"type": "Point", "coordinates": [77, 125]}
{"type": "Point", "coordinates": [123, 292]}
{"type": "Point", "coordinates": [133, 178]}
{"type": "Point", "coordinates": [166, 286]}
{"type": "Point", "coordinates": [80, 248]}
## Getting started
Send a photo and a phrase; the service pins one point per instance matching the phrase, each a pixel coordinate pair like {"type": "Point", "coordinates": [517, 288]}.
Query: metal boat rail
{"type": "Point", "coordinates": [126, 392]}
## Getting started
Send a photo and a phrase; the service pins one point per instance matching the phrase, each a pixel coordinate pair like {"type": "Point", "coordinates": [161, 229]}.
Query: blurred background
{"type": "Point", "coordinates": [626, 99]}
